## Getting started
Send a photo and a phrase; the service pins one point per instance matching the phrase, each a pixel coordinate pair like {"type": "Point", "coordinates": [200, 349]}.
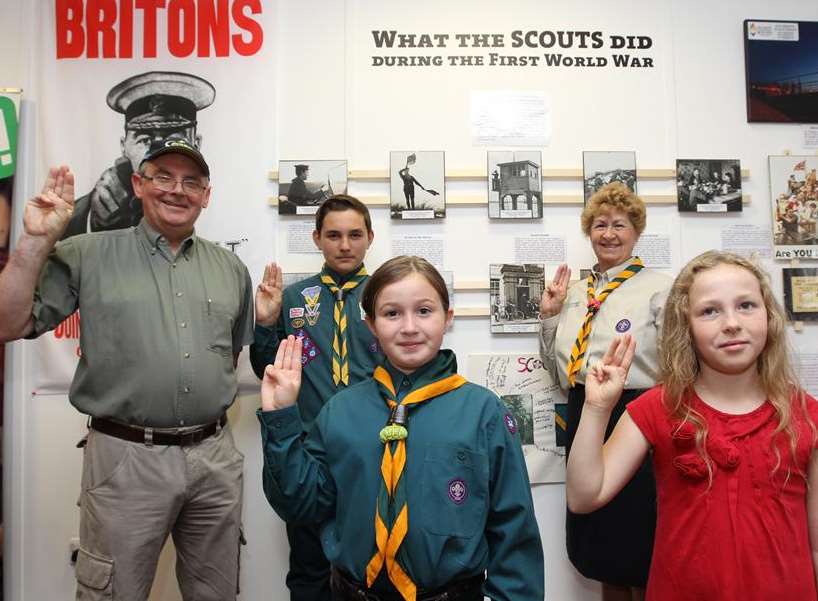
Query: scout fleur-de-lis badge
{"type": "Point", "coordinates": [311, 295]}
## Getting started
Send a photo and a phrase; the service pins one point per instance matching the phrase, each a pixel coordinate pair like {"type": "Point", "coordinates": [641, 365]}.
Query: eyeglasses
{"type": "Point", "coordinates": [165, 183]}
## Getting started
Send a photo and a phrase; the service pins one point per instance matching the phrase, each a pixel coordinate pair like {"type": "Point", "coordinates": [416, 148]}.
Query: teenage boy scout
{"type": "Point", "coordinates": [164, 317]}
{"type": "Point", "coordinates": [339, 350]}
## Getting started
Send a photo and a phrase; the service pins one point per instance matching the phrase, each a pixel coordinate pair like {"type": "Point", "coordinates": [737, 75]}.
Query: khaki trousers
{"type": "Point", "coordinates": [133, 496]}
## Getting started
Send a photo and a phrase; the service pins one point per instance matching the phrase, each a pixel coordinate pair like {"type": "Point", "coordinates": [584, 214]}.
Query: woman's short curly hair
{"type": "Point", "coordinates": [615, 196]}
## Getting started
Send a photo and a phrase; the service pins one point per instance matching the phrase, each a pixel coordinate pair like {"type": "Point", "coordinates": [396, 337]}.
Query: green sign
{"type": "Point", "coordinates": [8, 137]}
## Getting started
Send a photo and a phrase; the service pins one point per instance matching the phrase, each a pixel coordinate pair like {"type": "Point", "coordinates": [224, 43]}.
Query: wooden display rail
{"type": "Point", "coordinates": [375, 175]}
{"type": "Point", "coordinates": [548, 199]}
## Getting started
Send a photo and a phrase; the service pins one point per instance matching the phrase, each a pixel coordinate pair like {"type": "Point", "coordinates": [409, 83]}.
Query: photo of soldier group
{"type": "Point", "coordinates": [515, 184]}
{"type": "Point", "coordinates": [602, 167]}
{"type": "Point", "coordinates": [794, 192]}
{"type": "Point", "coordinates": [708, 186]}
{"type": "Point", "coordinates": [303, 186]}
{"type": "Point", "coordinates": [514, 296]}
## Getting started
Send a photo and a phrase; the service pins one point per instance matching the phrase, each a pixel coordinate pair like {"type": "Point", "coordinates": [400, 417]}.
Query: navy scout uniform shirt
{"type": "Point", "coordinates": [307, 312]}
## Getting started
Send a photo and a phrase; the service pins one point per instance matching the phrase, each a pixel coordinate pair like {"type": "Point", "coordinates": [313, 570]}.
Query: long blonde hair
{"type": "Point", "coordinates": [679, 365]}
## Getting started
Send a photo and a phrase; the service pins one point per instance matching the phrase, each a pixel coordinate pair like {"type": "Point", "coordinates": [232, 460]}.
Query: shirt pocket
{"type": "Point", "coordinates": [218, 320]}
{"type": "Point", "coordinates": [454, 491]}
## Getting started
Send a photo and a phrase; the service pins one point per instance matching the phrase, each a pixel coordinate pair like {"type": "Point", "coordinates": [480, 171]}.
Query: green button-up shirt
{"type": "Point", "coordinates": [158, 331]}
{"type": "Point", "coordinates": [468, 495]}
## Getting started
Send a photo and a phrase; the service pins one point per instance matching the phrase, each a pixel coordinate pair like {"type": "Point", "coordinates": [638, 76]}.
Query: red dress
{"type": "Point", "coordinates": [744, 538]}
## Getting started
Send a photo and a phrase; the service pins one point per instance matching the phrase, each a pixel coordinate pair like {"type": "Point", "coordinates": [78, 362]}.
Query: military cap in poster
{"type": "Point", "coordinates": [156, 105]}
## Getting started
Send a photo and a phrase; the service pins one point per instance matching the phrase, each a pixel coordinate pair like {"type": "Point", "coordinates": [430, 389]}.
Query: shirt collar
{"type": "Point", "coordinates": [339, 279]}
{"type": "Point", "coordinates": [607, 276]}
{"type": "Point", "coordinates": [156, 240]}
{"type": "Point", "coordinates": [444, 364]}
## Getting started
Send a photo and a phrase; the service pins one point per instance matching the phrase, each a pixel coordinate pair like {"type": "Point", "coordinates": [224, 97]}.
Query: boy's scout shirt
{"type": "Point", "coordinates": [307, 311]}
{"type": "Point", "coordinates": [468, 495]}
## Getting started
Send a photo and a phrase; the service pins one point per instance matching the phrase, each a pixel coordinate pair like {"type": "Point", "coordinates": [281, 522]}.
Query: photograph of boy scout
{"type": "Point", "coordinates": [159, 457]}
{"type": "Point", "coordinates": [325, 312]}
{"type": "Point", "coordinates": [310, 184]}
{"type": "Point", "coordinates": [407, 169]}
{"type": "Point", "coordinates": [156, 104]}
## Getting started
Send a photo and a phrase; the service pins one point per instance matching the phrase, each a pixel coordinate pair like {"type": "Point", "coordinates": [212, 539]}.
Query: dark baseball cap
{"type": "Point", "coordinates": [176, 145]}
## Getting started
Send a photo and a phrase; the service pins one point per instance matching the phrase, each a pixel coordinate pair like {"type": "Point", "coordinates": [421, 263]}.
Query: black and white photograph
{"type": "Point", "coordinates": [603, 167]}
{"type": "Point", "coordinates": [521, 407]}
{"type": "Point", "coordinates": [794, 195]}
{"type": "Point", "coordinates": [781, 67]}
{"type": "Point", "coordinates": [801, 293]}
{"type": "Point", "coordinates": [515, 184]}
{"type": "Point", "coordinates": [417, 184]}
{"type": "Point", "coordinates": [514, 296]}
{"type": "Point", "coordinates": [708, 185]}
{"type": "Point", "coordinates": [303, 186]}
{"type": "Point", "coordinates": [154, 105]}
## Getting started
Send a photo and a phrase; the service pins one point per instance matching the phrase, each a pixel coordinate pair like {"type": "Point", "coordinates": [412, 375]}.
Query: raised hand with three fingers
{"type": "Point", "coordinates": [606, 378]}
{"type": "Point", "coordinates": [47, 214]}
{"type": "Point", "coordinates": [282, 379]}
{"type": "Point", "coordinates": [268, 296]}
{"type": "Point", "coordinates": [553, 297]}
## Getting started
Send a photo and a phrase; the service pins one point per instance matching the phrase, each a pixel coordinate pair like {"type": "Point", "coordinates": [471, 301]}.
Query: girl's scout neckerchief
{"type": "Point", "coordinates": [391, 511]}
{"type": "Point", "coordinates": [594, 302]}
{"type": "Point", "coordinates": [340, 361]}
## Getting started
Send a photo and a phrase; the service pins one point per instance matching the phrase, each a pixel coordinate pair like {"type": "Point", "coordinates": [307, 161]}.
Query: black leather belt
{"type": "Point", "coordinates": [466, 589]}
{"type": "Point", "coordinates": [159, 437]}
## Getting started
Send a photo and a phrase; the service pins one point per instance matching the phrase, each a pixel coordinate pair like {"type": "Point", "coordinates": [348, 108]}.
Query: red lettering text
{"type": "Point", "coordinates": [249, 25]}
{"type": "Point", "coordinates": [105, 28]}
{"type": "Point", "coordinates": [214, 23]}
{"type": "Point", "coordinates": [70, 34]}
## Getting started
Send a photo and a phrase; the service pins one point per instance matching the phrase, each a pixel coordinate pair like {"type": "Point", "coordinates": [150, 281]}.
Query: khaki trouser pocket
{"type": "Point", "coordinates": [94, 577]}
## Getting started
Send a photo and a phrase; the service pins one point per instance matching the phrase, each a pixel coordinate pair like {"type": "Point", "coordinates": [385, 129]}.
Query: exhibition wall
{"type": "Point", "coordinates": [315, 79]}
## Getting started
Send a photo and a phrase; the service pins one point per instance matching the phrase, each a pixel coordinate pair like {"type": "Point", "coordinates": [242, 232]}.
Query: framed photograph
{"type": "Point", "coordinates": [514, 297]}
{"type": "Point", "coordinates": [794, 202]}
{"type": "Point", "coordinates": [304, 185]}
{"type": "Point", "coordinates": [515, 184]}
{"type": "Point", "coordinates": [603, 167]}
{"type": "Point", "coordinates": [801, 293]}
{"type": "Point", "coordinates": [708, 186]}
{"type": "Point", "coordinates": [417, 184]}
{"type": "Point", "coordinates": [781, 67]}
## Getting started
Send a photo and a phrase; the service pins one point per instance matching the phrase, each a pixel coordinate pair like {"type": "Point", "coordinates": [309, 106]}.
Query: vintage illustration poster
{"type": "Point", "coordinates": [794, 196]}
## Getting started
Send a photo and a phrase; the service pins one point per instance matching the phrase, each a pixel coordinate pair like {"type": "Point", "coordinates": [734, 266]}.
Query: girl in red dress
{"type": "Point", "coordinates": [732, 437]}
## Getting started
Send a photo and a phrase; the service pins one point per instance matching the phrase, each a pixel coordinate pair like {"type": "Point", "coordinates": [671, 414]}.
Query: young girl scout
{"type": "Point", "coordinates": [417, 475]}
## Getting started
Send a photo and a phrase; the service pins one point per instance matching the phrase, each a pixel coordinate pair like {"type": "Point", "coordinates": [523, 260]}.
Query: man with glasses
{"type": "Point", "coordinates": [164, 316]}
